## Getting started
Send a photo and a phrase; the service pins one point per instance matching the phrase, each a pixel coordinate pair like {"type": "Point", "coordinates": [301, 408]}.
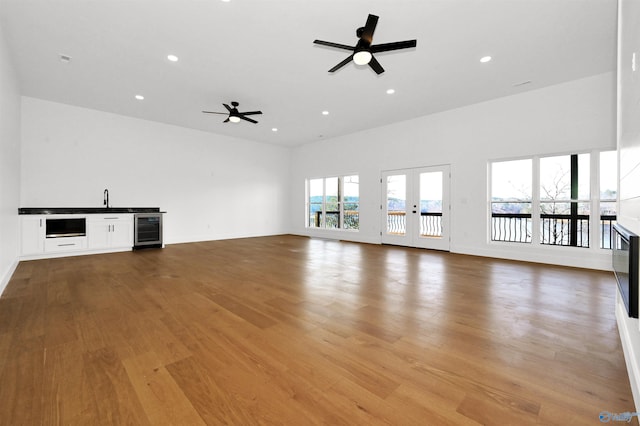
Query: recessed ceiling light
{"type": "Point", "coordinates": [139, 97]}
{"type": "Point", "coordinates": [485, 59]}
{"type": "Point", "coordinates": [325, 112]}
{"type": "Point", "coordinates": [274, 129]}
{"type": "Point", "coordinates": [172, 58]}
{"type": "Point", "coordinates": [390, 92]}
{"type": "Point", "coordinates": [226, 1]}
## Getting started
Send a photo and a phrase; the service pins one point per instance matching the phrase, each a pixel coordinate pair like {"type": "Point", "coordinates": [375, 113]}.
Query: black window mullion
{"type": "Point", "coordinates": [573, 220]}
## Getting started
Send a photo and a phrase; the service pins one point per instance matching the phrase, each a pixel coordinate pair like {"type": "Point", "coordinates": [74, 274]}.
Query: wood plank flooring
{"type": "Point", "coordinates": [298, 331]}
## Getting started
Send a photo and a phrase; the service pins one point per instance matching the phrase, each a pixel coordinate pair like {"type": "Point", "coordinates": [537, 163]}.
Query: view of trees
{"type": "Point", "coordinates": [564, 217]}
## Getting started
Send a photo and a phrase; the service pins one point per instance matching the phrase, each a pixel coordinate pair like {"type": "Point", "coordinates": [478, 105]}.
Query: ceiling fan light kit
{"type": "Point", "coordinates": [363, 51]}
{"type": "Point", "coordinates": [362, 57]}
{"type": "Point", "coordinates": [233, 115]}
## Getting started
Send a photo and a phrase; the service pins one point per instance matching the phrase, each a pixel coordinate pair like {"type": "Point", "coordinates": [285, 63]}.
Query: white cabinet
{"type": "Point", "coordinates": [110, 231]}
{"type": "Point", "coordinates": [58, 245]}
{"type": "Point", "coordinates": [32, 234]}
{"type": "Point", "coordinates": [88, 234]}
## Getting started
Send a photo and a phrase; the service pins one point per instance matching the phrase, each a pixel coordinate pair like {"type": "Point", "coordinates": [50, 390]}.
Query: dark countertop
{"type": "Point", "coordinates": [86, 210]}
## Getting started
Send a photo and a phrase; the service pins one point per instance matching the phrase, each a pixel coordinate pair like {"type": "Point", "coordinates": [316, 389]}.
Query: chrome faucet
{"type": "Point", "coordinates": [106, 198]}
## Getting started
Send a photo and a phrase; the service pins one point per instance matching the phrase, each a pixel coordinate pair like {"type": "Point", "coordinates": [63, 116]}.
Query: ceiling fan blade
{"type": "Point", "coordinates": [385, 47]}
{"type": "Point", "coordinates": [212, 112]}
{"type": "Point", "coordinates": [227, 107]}
{"type": "Point", "coordinates": [226, 121]}
{"type": "Point", "coordinates": [250, 113]}
{"type": "Point", "coordinates": [341, 64]}
{"type": "Point", "coordinates": [330, 44]}
{"type": "Point", "coordinates": [369, 28]}
{"type": "Point", "coordinates": [375, 65]}
{"type": "Point", "coordinates": [247, 119]}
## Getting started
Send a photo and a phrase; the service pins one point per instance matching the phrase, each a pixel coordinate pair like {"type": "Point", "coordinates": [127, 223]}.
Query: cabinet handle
{"type": "Point", "coordinates": [40, 223]}
{"type": "Point", "coordinates": [111, 218]}
{"type": "Point", "coordinates": [64, 245]}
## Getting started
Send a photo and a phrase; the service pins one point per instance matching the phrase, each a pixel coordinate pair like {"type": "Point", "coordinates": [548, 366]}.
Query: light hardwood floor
{"type": "Point", "coordinates": [297, 331]}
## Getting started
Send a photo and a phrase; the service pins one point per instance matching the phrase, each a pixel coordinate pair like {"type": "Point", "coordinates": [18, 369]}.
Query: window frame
{"type": "Point", "coordinates": [574, 220]}
{"type": "Point", "coordinates": [595, 221]}
{"type": "Point", "coordinates": [519, 227]}
{"type": "Point", "coordinates": [321, 224]}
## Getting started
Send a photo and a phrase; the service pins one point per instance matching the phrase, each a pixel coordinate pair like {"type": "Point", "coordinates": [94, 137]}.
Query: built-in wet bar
{"type": "Point", "coordinates": [71, 231]}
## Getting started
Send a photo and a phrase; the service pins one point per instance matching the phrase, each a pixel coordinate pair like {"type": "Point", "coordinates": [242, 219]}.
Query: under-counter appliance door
{"type": "Point", "coordinates": [148, 230]}
{"type": "Point", "coordinates": [66, 227]}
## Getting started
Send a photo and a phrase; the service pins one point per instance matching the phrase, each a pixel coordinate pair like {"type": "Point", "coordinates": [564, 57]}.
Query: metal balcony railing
{"type": "Point", "coordinates": [430, 223]}
{"type": "Point", "coordinates": [556, 229]}
{"type": "Point", "coordinates": [606, 230]}
{"type": "Point", "coordinates": [332, 219]}
{"type": "Point", "coordinates": [509, 227]}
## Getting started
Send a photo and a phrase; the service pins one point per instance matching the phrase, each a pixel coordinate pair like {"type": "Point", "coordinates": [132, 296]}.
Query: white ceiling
{"type": "Point", "coordinates": [261, 54]}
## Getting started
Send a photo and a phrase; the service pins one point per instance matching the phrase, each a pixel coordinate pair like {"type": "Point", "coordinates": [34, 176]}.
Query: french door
{"type": "Point", "coordinates": [415, 212]}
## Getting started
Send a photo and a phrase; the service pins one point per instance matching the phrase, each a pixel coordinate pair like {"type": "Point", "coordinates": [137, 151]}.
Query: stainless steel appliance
{"type": "Point", "coordinates": [66, 227]}
{"type": "Point", "coordinates": [147, 230]}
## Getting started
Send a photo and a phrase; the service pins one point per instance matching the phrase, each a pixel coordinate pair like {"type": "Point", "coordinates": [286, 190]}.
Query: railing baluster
{"type": "Point", "coordinates": [510, 227]}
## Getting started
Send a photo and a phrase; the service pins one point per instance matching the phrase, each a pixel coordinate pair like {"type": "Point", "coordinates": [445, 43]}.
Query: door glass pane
{"type": "Point", "coordinates": [332, 207]}
{"type": "Point", "coordinates": [314, 216]}
{"type": "Point", "coordinates": [396, 204]}
{"type": "Point", "coordinates": [431, 204]}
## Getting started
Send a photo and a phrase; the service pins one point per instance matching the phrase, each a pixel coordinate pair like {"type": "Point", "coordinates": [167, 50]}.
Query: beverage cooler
{"type": "Point", "coordinates": [147, 230]}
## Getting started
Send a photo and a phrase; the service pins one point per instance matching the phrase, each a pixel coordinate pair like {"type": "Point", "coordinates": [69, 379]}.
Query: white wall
{"type": "Point", "coordinates": [9, 165]}
{"type": "Point", "coordinates": [629, 156]}
{"type": "Point", "coordinates": [212, 186]}
{"type": "Point", "coordinates": [572, 117]}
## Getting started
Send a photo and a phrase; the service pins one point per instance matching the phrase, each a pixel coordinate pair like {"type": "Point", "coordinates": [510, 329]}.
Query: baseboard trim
{"type": "Point", "coordinates": [630, 355]}
{"type": "Point", "coordinates": [7, 275]}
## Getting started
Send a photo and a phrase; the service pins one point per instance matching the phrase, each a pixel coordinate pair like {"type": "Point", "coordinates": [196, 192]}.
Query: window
{"type": "Point", "coordinates": [333, 202]}
{"type": "Point", "coordinates": [565, 200]}
{"type": "Point", "coordinates": [608, 196]}
{"type": "Point", "coordinates": [558, 189]}
{"type": "Point", "coordinates": [511, 201]}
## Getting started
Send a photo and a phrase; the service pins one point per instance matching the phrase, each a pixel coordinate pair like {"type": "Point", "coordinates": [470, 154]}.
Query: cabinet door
{"type": "Point", "coordinates": [110, 232]}
{"type": "Point", "coordinates": [122, 233]}
{"type": "Point", "coordinates": [98, 233]}
{"type": "Point", "coordinates": [32, 235]}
